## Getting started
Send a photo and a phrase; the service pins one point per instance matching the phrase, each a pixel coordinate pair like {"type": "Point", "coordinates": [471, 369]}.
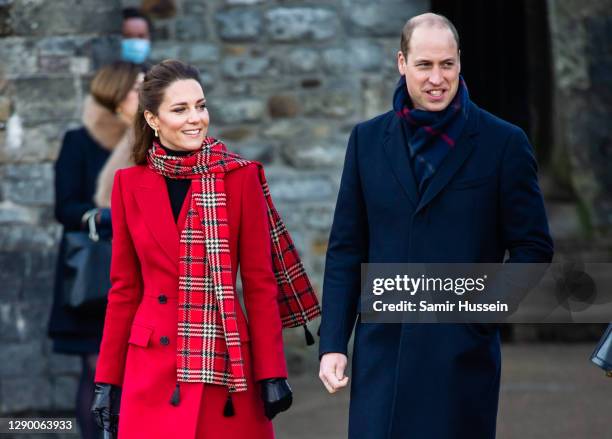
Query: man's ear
{"type": "Point", "coordinates": [151, 119]}
{"type": "Point", "coordinates": [401, 63]}
{"type": "Point", "coordinates": [459, 60]}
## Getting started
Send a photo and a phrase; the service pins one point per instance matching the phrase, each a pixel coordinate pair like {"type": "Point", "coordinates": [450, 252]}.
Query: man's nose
{"type": "Point", "coordinates": [436, 76]}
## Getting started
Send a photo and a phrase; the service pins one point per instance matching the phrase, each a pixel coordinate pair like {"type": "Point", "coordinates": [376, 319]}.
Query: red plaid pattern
{"type": "Point", "coordinates": [208, 342]}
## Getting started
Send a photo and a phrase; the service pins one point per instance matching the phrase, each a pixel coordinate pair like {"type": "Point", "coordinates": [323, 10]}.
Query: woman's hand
{"type": "Point", "coordinates": [331, 371]}
{"type": "Point", "coordinates": [105, 408]}
{"type": "Point", "coordinates": [276, 395]}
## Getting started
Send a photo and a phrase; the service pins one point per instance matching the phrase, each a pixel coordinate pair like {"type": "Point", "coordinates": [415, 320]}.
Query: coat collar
{"type": "Point", "coordinates": [154, 202]}
{"type": "Point", "coordinates": [397, 153]}
{"type": "Point", "coordinates": [104, 126]}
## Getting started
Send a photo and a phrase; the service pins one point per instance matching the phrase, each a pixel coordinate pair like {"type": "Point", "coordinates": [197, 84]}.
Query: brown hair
{"type": "Point", "coordinates": [429, 19]}
{"type": "Point", "coordinates": [113, 82]}
{"type": "Point", "coordinates": [151, 95]}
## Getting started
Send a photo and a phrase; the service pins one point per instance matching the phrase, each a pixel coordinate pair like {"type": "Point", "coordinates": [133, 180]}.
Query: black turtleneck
{"type": "Point", "coordinates": [177, 187]}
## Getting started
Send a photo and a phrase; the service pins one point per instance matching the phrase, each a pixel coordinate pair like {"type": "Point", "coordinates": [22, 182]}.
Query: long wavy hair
{"type": "Point", "coordinates": [150, 97]}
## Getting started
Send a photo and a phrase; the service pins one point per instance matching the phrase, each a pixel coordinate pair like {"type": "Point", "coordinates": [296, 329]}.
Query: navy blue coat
{"type": "Point", "coordinates": [428, 381]}
{"type": "Point", "coordinates": [80, 161]}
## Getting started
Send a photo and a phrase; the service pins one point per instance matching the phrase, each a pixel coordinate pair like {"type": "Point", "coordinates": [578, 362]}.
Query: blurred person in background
{"type": "Point", "coordinates": [136, 36]}
{"type": "Point", "coordinates": [84, 173]}
{"type": "Point", "coordinates": [178, 351]}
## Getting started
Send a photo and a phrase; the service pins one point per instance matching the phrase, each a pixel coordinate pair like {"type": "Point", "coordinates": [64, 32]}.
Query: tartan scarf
{"type": "Point", "coordinates": [431, 134]}
{"type": "Point", "coordinates": [208, 342]}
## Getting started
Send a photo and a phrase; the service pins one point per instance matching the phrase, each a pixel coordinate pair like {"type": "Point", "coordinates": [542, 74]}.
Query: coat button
{"type": "Point", "coordinates": [162, 299]}
{"type": "Point", "coordinates": [164, 340]}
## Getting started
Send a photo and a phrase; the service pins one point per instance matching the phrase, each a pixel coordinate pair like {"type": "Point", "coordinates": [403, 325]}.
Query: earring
{"type": "Point", "coordinates": [155, 129]}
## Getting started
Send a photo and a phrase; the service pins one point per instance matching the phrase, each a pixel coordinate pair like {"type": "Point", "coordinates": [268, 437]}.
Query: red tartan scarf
{"type": "Point", "coordinates": [208, 343]}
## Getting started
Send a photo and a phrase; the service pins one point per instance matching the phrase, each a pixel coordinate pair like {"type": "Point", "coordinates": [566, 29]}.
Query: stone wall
{"type": "Point", "coordinates": [286, 81]}
{"type": "Point", "coordinates": [582, 62]}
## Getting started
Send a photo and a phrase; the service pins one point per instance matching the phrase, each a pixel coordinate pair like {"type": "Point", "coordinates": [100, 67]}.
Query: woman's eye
{"type": "Point", "coordinates": [202, 106]}
{"type": "Point", "coordinates": [178, 110]}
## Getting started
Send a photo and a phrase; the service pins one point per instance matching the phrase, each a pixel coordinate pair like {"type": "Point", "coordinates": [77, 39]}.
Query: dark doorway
{"type": "Point", "coordinates": [505, 60]}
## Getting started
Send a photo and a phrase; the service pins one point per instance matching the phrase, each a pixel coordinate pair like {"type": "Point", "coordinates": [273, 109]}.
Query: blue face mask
{"type": "Point", "coordinates": [135, 50]}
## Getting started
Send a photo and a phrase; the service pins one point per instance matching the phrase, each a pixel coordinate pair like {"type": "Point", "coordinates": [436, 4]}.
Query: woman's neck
{"type": "Point", "coordinates": [175, 152]}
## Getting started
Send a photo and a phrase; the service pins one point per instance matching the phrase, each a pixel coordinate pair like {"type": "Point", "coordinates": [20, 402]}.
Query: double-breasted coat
{"type": "Point", "coordinates": [428, 381]}
{"type": "Point", "coordinates": [138, 350]}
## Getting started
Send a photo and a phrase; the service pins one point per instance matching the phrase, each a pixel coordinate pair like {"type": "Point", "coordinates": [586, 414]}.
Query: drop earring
{"type": "Point", "coordinates": [155, 129]}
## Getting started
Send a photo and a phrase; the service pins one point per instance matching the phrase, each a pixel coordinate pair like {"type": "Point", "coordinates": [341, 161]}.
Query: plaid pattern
{"type": "Point", "coordinates": [431, 135]}
{"type": "Point", "coordinates": [208, 344]}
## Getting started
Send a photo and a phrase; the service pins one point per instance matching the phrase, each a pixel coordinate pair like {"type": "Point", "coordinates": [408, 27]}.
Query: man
{"type": "Point", "coordinates": [437, 179]}
{"type": "Point", "coordinates": [136, 33]}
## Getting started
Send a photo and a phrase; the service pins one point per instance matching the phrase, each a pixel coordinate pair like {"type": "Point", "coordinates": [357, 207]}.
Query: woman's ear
{"type": "Point", "coordinates": [151, 119]}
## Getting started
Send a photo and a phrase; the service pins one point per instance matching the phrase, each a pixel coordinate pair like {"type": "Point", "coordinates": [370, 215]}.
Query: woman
{"type": "Point", "coordinates": [176, 341]}
{"type": "Point", "coordinates": [108, 114]}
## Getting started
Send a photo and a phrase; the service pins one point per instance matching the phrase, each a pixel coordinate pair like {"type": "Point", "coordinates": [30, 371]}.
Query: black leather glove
{"type": "Point", "coordinates": [276, 395]}
{"type": "Point", "coordinates": [105, 407]}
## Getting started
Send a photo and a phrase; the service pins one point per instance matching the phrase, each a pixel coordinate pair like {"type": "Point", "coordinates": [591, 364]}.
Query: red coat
{"type": "Point", "coordinates": [138, 350]}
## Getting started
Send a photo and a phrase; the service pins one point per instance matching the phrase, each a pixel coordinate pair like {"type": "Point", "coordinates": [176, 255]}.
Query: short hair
{"type": "Point", "coordinates": [136, 13]}
{"type": "Point", "coordinates": [151, 94]}
{"type": "Point", "coordinates": [112, 83]}
{"type": "Point", "coordinates": [429, 19]}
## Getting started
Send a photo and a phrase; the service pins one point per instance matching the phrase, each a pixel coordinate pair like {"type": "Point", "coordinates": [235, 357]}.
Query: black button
{"type": "Point", "coordinates": [162, 299]}
{"type": "Point", "coordinates": [164, 340]}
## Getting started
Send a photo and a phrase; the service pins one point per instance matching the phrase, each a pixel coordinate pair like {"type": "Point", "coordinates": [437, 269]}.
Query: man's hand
{"type": "Point", "coordinates": [331, 371]}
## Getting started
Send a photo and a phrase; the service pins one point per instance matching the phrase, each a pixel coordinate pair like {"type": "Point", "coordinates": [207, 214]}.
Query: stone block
{"type": "Point", "coordinates": [284, 129]}
{"type": "Point", "coordinates": [239, 24]}
{"type": "Point", "coordinates": [239, 67]}
{"type": "Point", "coordinates": [11, 280]}
{"type": "Point", "coordinates": [29, 184]}
{"type": "Point", "coordinates": [40, 142]}
{"type": "Point", "coordinates": [236, 134]}
{"type": "Point", "coordinates": [283, 106]}
{"type": "Point", "coordinates": [39, 100]}
{"type": "Point", "coordinates": [357, 55]}
{"type": "Point", "coordinates": [381, 18]}
{"type": "Point", "coordinates": [67, 17]}
{"type": "Point", "coordinates": [18, 57]}
{"type": "Point", "coordinates": [23, 237]}
{"type": "Point", "coordinates": [301, 24]}
{"type": "Point", "coordinates": [39, 276]}
{"type": "Point", "coordinates": [244, 2]}
{"type": "Point", "coordinates": [60, 364]}
{"type": "Point", "coordinates": [302, 60]}
{"type": "Point", "coordinates": [190, 28]}
{"type": "Point", "coordinates": [64, 391]}
{"type": "Point", "coordinates": [333, 102]}
{"type": "Point", "coordinates": [23, 321]}
{"type": "Point", "coordinates": [21, 394]}
{"type": "Point", "coordinates": [5, 108]}
{"type": "Point", "coordinates": [313, 153]}
{"type": "Point", "coordinates": [165, 50]}
{"type": "Point", "coordinates": [193, 7]}
{"type": "Point", "coordinates": [11, 213]}
{"type": "Point", "coordinates": [230, 110]}
{"type": "Point", "coordinates": [202, 53]}
{"type": "Point", "coordinates": [258, 151]}
{"type": "Point", "coordinates": [293, 186]}
{"type": "Point", "coordinates": [26, 359]}
{"type": "Point", "coordinates": [5, 18]}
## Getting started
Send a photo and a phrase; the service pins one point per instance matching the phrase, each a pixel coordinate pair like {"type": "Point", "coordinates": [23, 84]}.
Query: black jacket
{"type": "Point", "coordinates": [76, 171]}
